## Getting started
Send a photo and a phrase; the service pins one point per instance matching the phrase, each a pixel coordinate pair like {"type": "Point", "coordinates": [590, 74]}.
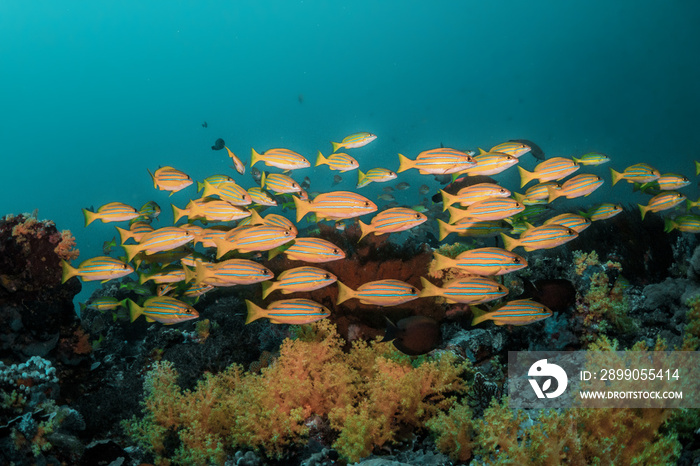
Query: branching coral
{"type": "Point", "coordinates": [691, 336]}
{"type": "Point", "coordinates": [367, 396]}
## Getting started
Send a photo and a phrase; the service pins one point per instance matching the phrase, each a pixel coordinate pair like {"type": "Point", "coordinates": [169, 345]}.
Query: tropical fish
{"type": "Point", "coordinates": [602, 211]}
{"type": "Point", "coordinates": [254, 238]}
{"type": "Point", "coordinates": [104, 303]}
{"type": "Point", "coordinates": [664, 201]}
{"type": "Point", "coordinates": [386, 197]}
{"type": "Point", "coordinates": [218, 144]}
{"type": "Point", "coordinates": [354, 141]}
{"type": "Point", "coordinates": [96, 268]}
{"type": "Point", "coordinates": [472, 290]}
{"type": "Point", "coordinates": [111, 212]}
{"type": "Point", "coordinates": [423, 189]}
{"type": "Point", "coordinates": [150, 210]}
{"type": "Point", "coordinates": [640, 173]}
{"type": "Point", "coordinates": [391, 221]}
{"type": "Point", "coordinates": [281, 158]}
{"type": "Point", "coordinates": [228, 273]}
{"type": "Point", "coordinates": [228, 191]}
{"type": "Point", "coordinates": [108, 245]}
{"type": "Point", "coordinates": [402, 186]}
{"type": "Point", "coordinates": [338, 161]}
{"type": "Point", "coordinates": [304, 278]}
{"type": "Point", "coordinates": [136, 287]}
{"type": "Point", "coordinates": [468, 195]}
{"type": "Point", "coordinates": [494, 208]}
{"type": "Point", "coordinates": [279, 183]}
{"type": "Point", "coordinates": [280, 221]}
{"type": "Point", "coordinates": [552, 169]}
{"type": "Point", "coordinates": [666, 182]}
{"type": "Point", "coordinates": [162, 239]}
{"type": "Point", "coordinates": [237, 164]}
{"type": "Point", "coordinates": [314, 250]}
{"type": "Point", "coordinates": [534, 148]}
{"type": "Point", "coordinates": [204, 125]}
{"type": "Point", "coordinates": [537, 194]}
{"type": "Point", "coordinates": [514, 148]}
{"type": "Point", "coordinates": [470, 227]}
{"type": "Point", "coordinates": [441, 161]}
{"type": "Point", "coordinates": [170, 179]}
{"type": "Point", "coordinates": [255, 174]}
{"type": "Point", "coordinates": [576, 186]}
{"type": "Point", "coordinates": [171, 274]}
{"type": "Point", "coordinates": [335, 205]}
{"type": "Point", "coordinates": [163, 309]}
{"type": "Point", "coordinates": [541, 237]}
{"type": "Point", "coordinates": [213, 180]}
{"type": "Point", "coordinates": [491, 163]}
{"type": "Point", "coordinates": [260, 197]}
{"type": "Point", "coordinates": [557, 294]}
{"type": "Point", "coordinates": [413, 335]}
{"type": "Point", "coordinates": [306, 183]}
{"type": "Point", "coordinates": [592, 158]}
{"type": "Point", "coordinates": [483, 261]}
{"type": "Point", "coordinates": [389, 292]}
{"type": "Point", "coordinates": [518, 312]}
{"type": "Point", "coordinates": [578, 223]}
{"type": "Point", "coordinates": [337, 179]}
{"type": "Point", "coordinates": [211, 210]}
{"type": "Point", "coordinates": [288, 311]}
{"type": "Point", "coordinates": [685, 223]}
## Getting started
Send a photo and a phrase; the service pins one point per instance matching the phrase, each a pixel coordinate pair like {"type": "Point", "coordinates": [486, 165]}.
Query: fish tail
{"type": "Point", "coordinates": [320, 160]}
{"type": "Point", "coordinates": [302, 208]}
{"type": "Point", "coordinates": [525, 176]}
{"type": "Point", "coordinates": [267, 288]}
{"type": "Point", "coordinates": [208, 188]}
{"type": "Point", "coordinates": [336, 145]}
{"type": "Point", "coordinates": [360, 177]}
{"type": "Point", "coordinates": [254, 312]}
{"type": "Point", "coordinates": [616, 176]}
{"type": "Point", "coordinates": [519, 197]}
{"type": "Point", "coordinates": [576, 160]}
{"type": "Point", "coordinates": [134, 310]}
{"type": "Point", "coordinates": [142, 278]}
{"type": "Point", "coordinates": [200, 186]}
{"type": "Point", "coordinates": [189, 274]}
{"type": "Point", "coordinates": [272, 253]}
{"type": "Point", "coordinates": [643, 209]}
{"type": "Point", "coordinates": [508, 242]}
{"type": "Point", "coordinates": [178, 213]}
{"type": "Point", "coordinates": [254, 158]}
{"type": "Point", "coordinates": [344, 293]}
{"type": "Point", "coordinates": [479, 315]}
{"type": "Point", "coordinates": [429, 289]}
{"type": "Point", "coordinates": [153, 177]}
{"type": "Point", "coordinates": [68, 271]}
{"type": "Point", "coordinates": [455, 214]}
{"type": "Point", "coordinates": [404, 163]}
{"type": "Point", "coordinates": [447, 199]}
{"type": "Point", "coordinates": [442, 262]}
{"type": "Point", "coordinates": [262, 179]}
{"type": "Point", "coordinates": [131, 250]}
{"type": "Point", "coordinates": [669, 225]}
{"type": "Point", "coordinates": [222, 247]}
{"type": "Point", "coordinates": [365, 229]}
{"type": "Point", "coordinates": [443, 229]}
{"type": "Point", "coordinates": [553, 194]}
{"type": "Point", "coordinates": [697, 168]}
{"type": "Point", "coordinates": [89, 216]}
{"type": "Point", "coordinates": [124, 235]}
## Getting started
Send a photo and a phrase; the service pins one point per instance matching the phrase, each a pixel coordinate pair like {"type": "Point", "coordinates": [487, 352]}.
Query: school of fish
{"type": "Point", "coordinates": [227, 219]}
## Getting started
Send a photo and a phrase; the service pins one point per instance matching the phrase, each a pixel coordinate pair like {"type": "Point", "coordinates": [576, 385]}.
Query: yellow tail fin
{"type": "Point", "coordinates": [525, 176]}
{"type": "Point", "coordinates": [321, 159]}
{"type": "Point", "coordinates": [254, 312]}
{"type": "Point", "coordinates": [89, 216]}
{"type": "Point", "coordinates": [429, 289]}
{"type": "Point", "coordinates": [447, 200]}
{"type": "Point", "coordinates": [134, 310]}
{"type": "Point", "coordinates": [365, 229]}
{"type": "Point", "coordinates": [267, 288]}
{"type": "Point", "coordinates": [254, 157]}
{"type": "Point", "coordinates": [404, 163]}
{"type": "Point", "coordinates": [336, 145]}
{"type": "Point", "coordinates": [616, 176]}
{"type": "Point", "coordinates": [509, 243]}
{"type": "Point", "coordinates": [344, 293]}
{"type": "Point", "coordinates": [443, 229]}
{"type": "Point", "coordinates": [302, 207]}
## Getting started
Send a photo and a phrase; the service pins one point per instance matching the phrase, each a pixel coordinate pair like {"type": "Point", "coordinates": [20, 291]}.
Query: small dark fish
{"type": "Point", "coordinates": [535, 149]}
{"type": "Point", "coordinates": [403, 185]}
{"type": "Point", "coordinates": [300, 98]}
{"type": "Point", "coordinates": [558, 294]}
{"type": "Point", "coordinates": [306, 184]}
{"type": "Point", "coordinates": [424, 189]}
{"type": "Point", "coordinates": [414, 335]}
{"type": "Point", "coordinates": [461, 182]}
{"type": "Point", "coordinates": [256, 174]}
{"type": "Point", "coordinates": [388, 189]}
{"type": "Point", "coordinates": [108, 245]}
{"type": "Point", "coordinates": [443, 179]}
{"type": "Point", "coordinates": [337, 179]}
{"type": "Point", "coordinates": [205, 125]}
{"type": "Point", "coordinates": [386, 197]}
{"type": "Point", "coordinates": [218, 145]}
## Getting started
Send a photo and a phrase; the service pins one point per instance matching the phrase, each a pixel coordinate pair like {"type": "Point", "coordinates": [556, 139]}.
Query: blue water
{"type": "Point", "coordinates": [94, 93]}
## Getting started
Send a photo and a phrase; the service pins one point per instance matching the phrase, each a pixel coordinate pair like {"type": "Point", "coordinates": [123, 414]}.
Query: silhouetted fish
{"type": "Point", "coordinates": [461, 182]}
{"type": "Point", "coordinates": [337, 179]}
{"type": "Point", "coordinates": [414, 335]}
{"type": "Point", "coordinates": [204, 125]}
{"type": "Point", "coordinates": [535, 149]}
{"type": "Point", "coordinates": [218, 145]}
{"type": "Point", "coordinates": [557, 293]}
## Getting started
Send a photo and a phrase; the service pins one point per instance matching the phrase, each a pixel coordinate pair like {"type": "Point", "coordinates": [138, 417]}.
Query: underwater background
{"type": "Point", "coordinates": [95, 94]}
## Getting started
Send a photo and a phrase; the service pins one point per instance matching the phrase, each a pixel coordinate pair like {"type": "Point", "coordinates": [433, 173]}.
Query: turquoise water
{"type": "Point", "coordinates": [95, 93]}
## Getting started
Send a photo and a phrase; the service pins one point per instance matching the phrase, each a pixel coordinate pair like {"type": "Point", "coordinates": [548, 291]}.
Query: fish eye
{"type": "Point", "coordinates": [294, 185]}
{"type": "Point", "coordinates": [516, 260]}
{"type": "Point", "coordinates": [414, 291]}
{"type": "Point", "coordinates": [501, 190]}
{"type": "Point", "coordinates": [392, 174]}
{"type": "Point", "coordinates": [335, 251]}
{"type": "Point", "coordinates": [188, 311]}
{"type": "Point", "coordinates": [571, 232]}
{"type": "Point", "coordinates": [366, 203]}
{"type": "Point", "coordinates": [327, 276]}
{"type": "Point", "coordinates": [417, 216]}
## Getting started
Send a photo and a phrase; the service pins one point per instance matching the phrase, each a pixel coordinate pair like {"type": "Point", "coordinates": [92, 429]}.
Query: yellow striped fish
{"type": "Point", "coordinates": [170, 274]}
{"type": "Point", "coordinates": [541, 237]}
{"type": "Point", "coordinates": [260, 197]}
{"type": "Point", "coordinates": [111, 212]}
{"type": "Point", "coordinates": [483, 261]}
{"type": "Point", "coordinates": [518, 312]}
{"type": "Point", "coordinates": [440, 161]}
{"type": "Point", "coordinates": [387, 292]}
{"type": "Point", "coordinates": [473, 290]}
{"type": "Point", "coordinates": [494, 208]}
{"type": "Point", "coordinates": [314, 250]}
{"type": "Point", "coordinates": [281, 158]}
{"type": "Point", "coordinates": [537, 194]}
{"type": "Point", "coordinates": [491, 163]}
{"type": "Point", "coordinates": [170, 179]}
{"type": "Point", "coordinates": [336, 205]}
{"type": "Point", "coordinates": [516, 149]}
{"type": "Point", "coordinates": [577, 186]}
{"type": "Point", "coordinates": [354, 141]}
{"type": "Point", "coordinates": [552, 169]}
{"type": "Point", "coordinates": [664, 201]}
{"type": "Point", "coordinates": [280, 221]}
{"type": "Point", "coordinates": [685, 223]}
{"type": "Point", "coordinates": [228, 273]}
{"type": "Point", "coordinates": [471, 194]}
{"type": "Point", "coordinates": [214, 180]}
{"type": "Point", "coordinates": [96, 268]}
{"type": "Point", "coordinates": [105, 303]}
{"type": "Point", "coordinates": [667, 182]}
{"type": "Point", "coordinates": [602, 211]}
{"type": "Point", "coordinates": [279, 183]}
{"type": "Point", "coordinates": [639, 173]}
{"type": "Point", "coordinates": [163, 309]}
{"type": "Point", "coordinates": [135, 232]}
{"type": "Point", "coordinates": [207, 235]}
{"type": "Point", "coordinates": [578, 223]}
{"type": "Point", "coordinates": [254, 238]}
{"type": "Point", "coordinates": [338, 161]}
{"type": "Point", "coordinates": [237, 164]}
{"type": "Point", "coordinates": [228, 191]}
{"type": "Point", "coordinates": [391, 221]}
{"type": "Point", "coordinates": [377, 175]}
{"type": "Point", "coordinates": [471, 227]}
{"type": "Point", "coordinates": [211, 210]}
{"type": "Point", "coordinates": [592, 158]}
{"type": "Point", "coordinates": [304, 278]}
{"type": "Point", "coordinates": [288, 311]}
{"type": "Point", "coordinates": [162, 239]}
